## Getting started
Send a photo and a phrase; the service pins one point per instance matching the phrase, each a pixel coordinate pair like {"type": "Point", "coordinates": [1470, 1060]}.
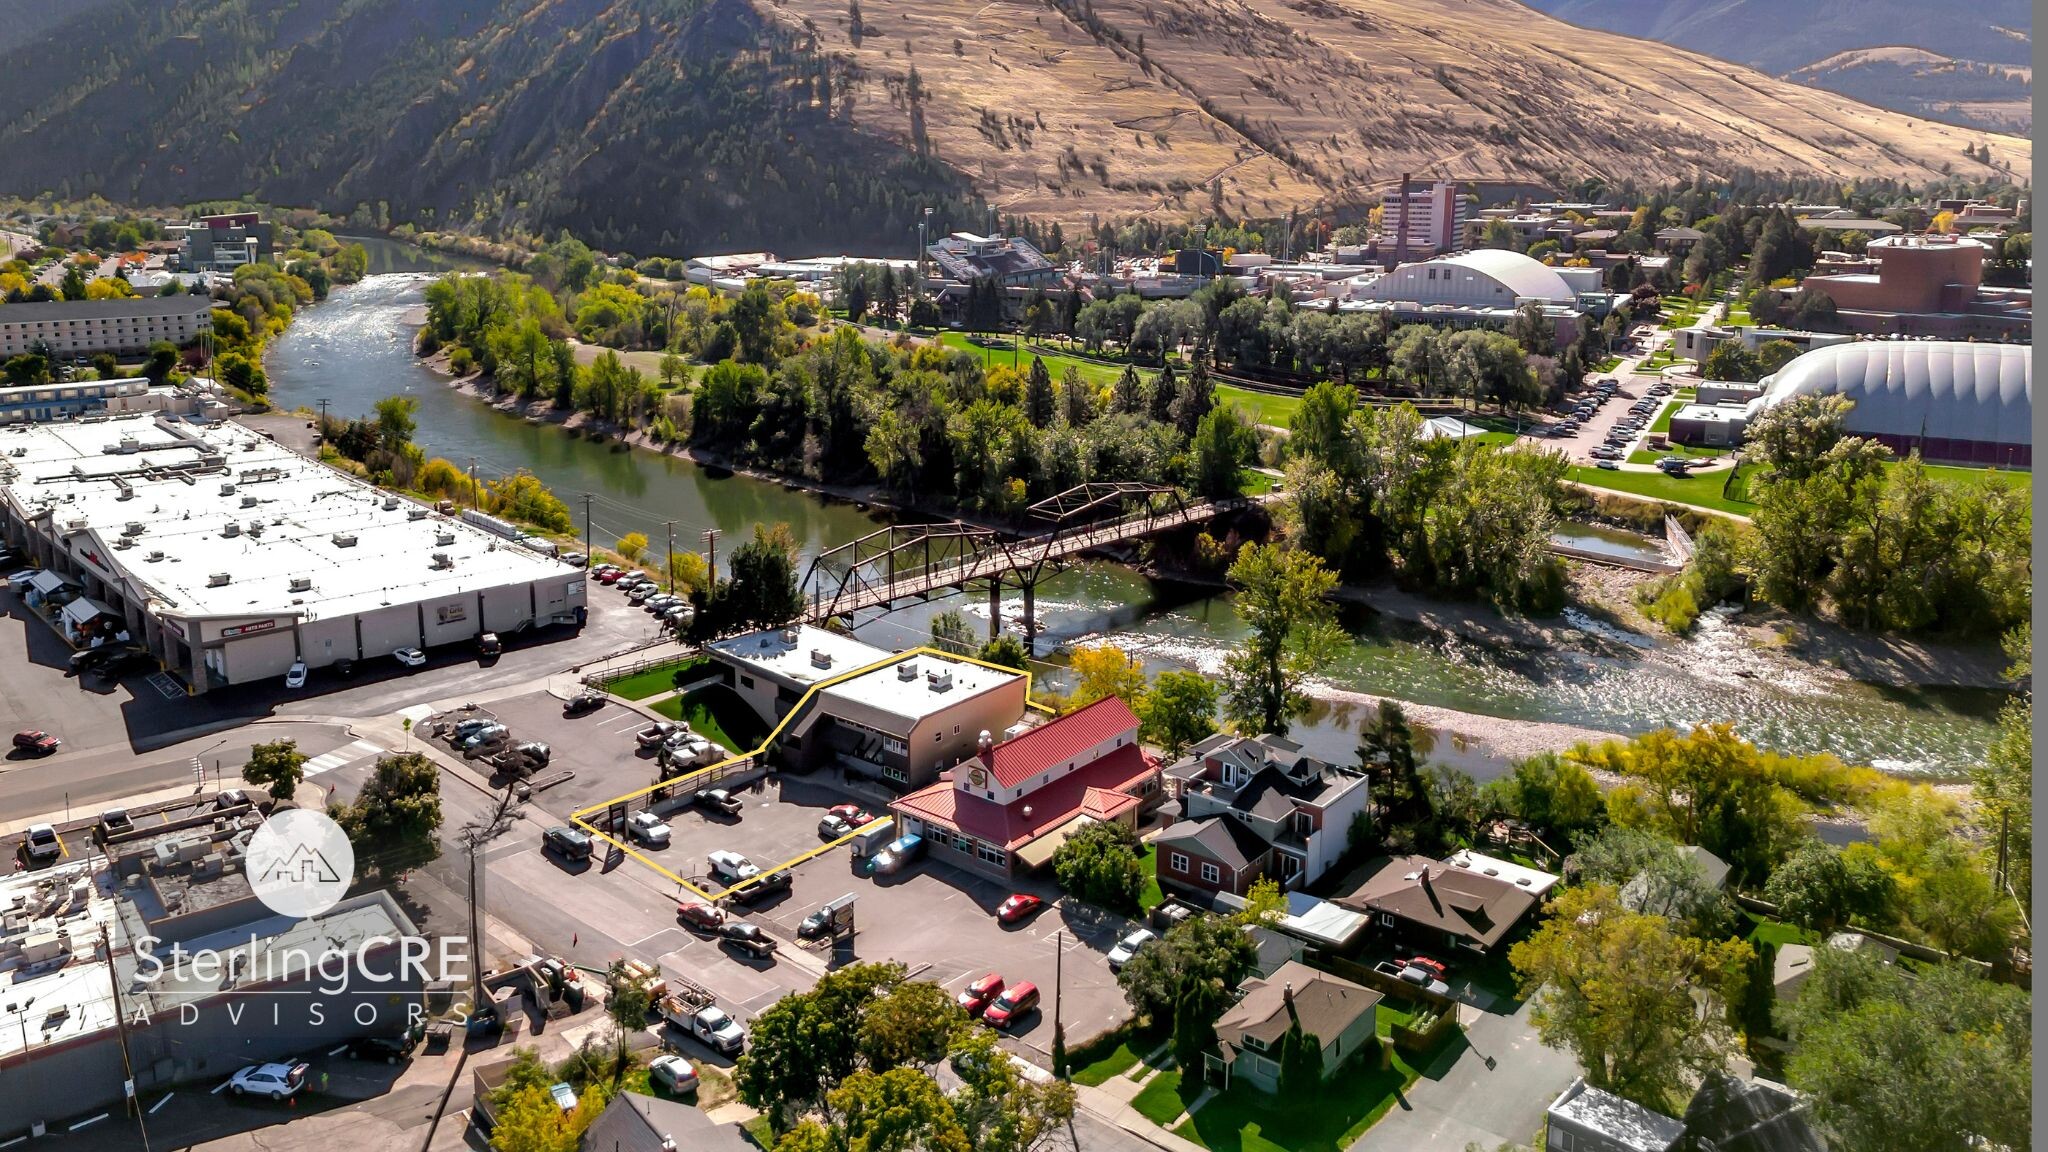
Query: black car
{"type": "Point", "coordinates": [816, 924]}
{"type": "Point", "coordinates": [766, 886]}
{"type": "Point", "coordinates": [583, 702]}
{"type": "Point", "coordinates": [567, 842]}
{"type": "Point", "coordinates": [389, 1049]}
{"type": "Point", "coordinates": [746, 937]}
{"type": "Point", "coordinates": [344, 668]}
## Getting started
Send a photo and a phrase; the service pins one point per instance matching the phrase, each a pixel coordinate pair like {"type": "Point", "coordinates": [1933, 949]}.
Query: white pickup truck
{"type": "Point", "coordinates": [691, 1009]}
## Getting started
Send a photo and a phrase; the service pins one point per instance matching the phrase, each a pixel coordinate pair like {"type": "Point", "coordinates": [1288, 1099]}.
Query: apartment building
{"type": "Point", "coordinates": [70, 328]}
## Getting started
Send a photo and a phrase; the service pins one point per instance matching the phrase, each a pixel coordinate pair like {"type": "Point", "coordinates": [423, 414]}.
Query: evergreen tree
{"type": "Point", "coordinates": [1165, 390]}
{"type": "Point", "coordinates": [1040, 403]}
{"type": "Point", "coordinates": [1128, 397]}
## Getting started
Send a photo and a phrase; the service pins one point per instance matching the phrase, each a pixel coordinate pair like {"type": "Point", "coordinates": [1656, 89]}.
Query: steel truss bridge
{"type": "Point", "coordinates": [918, 561]}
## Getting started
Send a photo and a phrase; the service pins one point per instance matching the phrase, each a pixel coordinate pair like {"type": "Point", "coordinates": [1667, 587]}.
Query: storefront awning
{"type": "Point", "coordinates": [48, 581]}
{"type": "Point", "coordinates": [1039, 852]}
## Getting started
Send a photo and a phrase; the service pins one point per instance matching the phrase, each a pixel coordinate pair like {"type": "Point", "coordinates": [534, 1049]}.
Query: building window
{"type": "Point", "coordinates": [938, 736]}
{"type": "Point", "coordinates": [746, 681]}
{"type": "Point", "coordinates": [995, 856]}
{"type": "Point", "coordinates": [1178, 862]}
{"type": "Point", "coordinates": [1211, 874]}
{"type": "Point", "coordinates": [1254, 1043]}
{"type": "Point", "coordinates": [894, 772]}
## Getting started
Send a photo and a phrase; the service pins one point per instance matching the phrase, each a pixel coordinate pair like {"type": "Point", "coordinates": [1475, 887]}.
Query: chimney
{"type": "Point", "coordinates": [1287, 998]}
{"type": "Point", "coordinates": [985, 747]}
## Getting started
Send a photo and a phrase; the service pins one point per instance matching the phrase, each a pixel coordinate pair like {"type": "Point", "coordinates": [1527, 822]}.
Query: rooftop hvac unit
{"type": "Point", "coordinates": [907, 670]}
{"type": "Point", "coordinates": [416, 513]}
{"type": "Point", "coordinates": [820, 658]}
{"type": "Point", "coordinates": [155, 556]}
{"type": "Point", "coordinates": [231, 529]}
{"type": "Point", "coordinates": [217, 579]}
{"type": "Point", "coordinates": [132, 528]}
{"type": "Point", "coordinates": [130, 444]}
{"type": "Point", "coordinates": [75, 524]}
{"type": "Point", "coordinates": [444, 539]}
{"type": "Point", "coordinates": [124, 543]}
{"type": "Point", "coordinates": [302, 584]}
{"type": "Point", "coordinates": [344, 539]}
{"type": "Point", "coordinates": [248, 501]}
{"type": "Point", "coordinates": [391, 503]}
{"type": "Point", "coordinates": [255, 527]}
{"type": "Point", "coordinates": [939, 679]}
{"type": "Point", "coordinates": [227, 489]}
{"type": "Point", "coordinates": [443, 560]}
{"type": "Point", "coordinates": [789, 635]}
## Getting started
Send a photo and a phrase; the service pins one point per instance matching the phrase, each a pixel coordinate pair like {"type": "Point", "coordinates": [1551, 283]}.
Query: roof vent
{"type": "Point", "coordinates": [125, 542]}
{"type": "Point", "coordinates": [939, 679]}
{"type": "Point", "coordinates": [444, 538]}
{"type": "Point", "coordinates": [227, 489]}
{"type": "Point", "coordinates": [344, 539]}
{"type": "Point", "coordinates": [442, 560]}
{"type": "Point", "coordinates": [302, 584]}
{"type": "Point", "coordinates": [789, 635]}
{"type": "Point", "coordinates": [820, 658]}
{"type": "Point", "coordinates": [231, 529]}
{"type": "Point", "coordinates": [155, 556]}
{"type": "Point", "coordinates": [907, 670]}
{"type": "Point", "coordinates": [217, 579]}
{"type": "Point", "coordinates": [132, 528]}
{"type": "Point", "coordinates": [255, 527]}
{"type": "Point", "coordinates": [248, 501]}
{"type": "Point", "coordinates": [390, 503]}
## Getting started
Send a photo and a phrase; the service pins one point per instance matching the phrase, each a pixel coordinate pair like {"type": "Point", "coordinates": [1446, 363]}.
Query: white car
{"type": "Point", "coordinates": [731, 867]}
{"type": "Point", "coordinates": [672, 1074]}
{"type": "Point", "coordinates": [1128, 947]}
{"type": "Point", "coordinates": [649, 829]}
{"type": "Point", "coordinates": [296, 678]}
{"type": "Point", "coordinates": [276, 1081]}
{"type": "Point", "coordinates": [410, 657]}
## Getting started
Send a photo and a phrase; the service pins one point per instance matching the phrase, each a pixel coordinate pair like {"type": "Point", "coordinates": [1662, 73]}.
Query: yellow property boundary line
{"type": "Point", "coordinates": [715, 771]}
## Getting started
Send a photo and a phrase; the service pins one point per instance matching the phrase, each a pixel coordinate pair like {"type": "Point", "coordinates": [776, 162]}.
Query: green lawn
{"type": "Point", "coordinates": [1159, 1101]}
{"type": "Point", "coordinates": [1698, 491]}
{"type": "Point", "coordinates": [1121, 1059]}
{"type": "Point", "coordinates": [1954, 475]}
{"type": "Point", "coordinates": [1253, 482]}
{"type": "Point", "coordinates": [1055, 362]}
{"type": "Point", "coordinates": [1150, 897]}
{"type": "Point", "coordinates": [717, 712]}
{"type": "Point", "coordinates": [650, 681]}
{"type": "Point", "coordinates": [1652, 455]}
{"type": "Point", "coordinates": [1608, 365]}
{"type": "Point", "coordinates": [1246, 1120]}
{"type": "Point", "coordinates": [649, 363]}
{"type": "Point", "coordinates": [1264, 407]}
{"type": "Point", "coordinates": [1777, 932]}
{"type": "Point", "coordinates": [1663, 421]}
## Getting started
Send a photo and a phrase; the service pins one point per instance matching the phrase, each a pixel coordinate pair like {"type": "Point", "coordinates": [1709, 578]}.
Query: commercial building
{"type": "Point", "coordinates": [222, 243]}
{"type": "Point", "coordinates": [1928, 286]}
{"type": "Point", "coordinates": [1483, 287]}
{"type": "Point", "coordinates": [1709, 425]}
{"type": "Point", "coordinates": [1254, 808]}
{"type": "Point", "coordinates": [899, 717]}
{"type": "Point", "coordinates": [1699, 341]}
{"type": "Point", "coordinates": [1009, 808]}
{"type": "Point", "coordinates": [1341, 1015]}
{"type": "Point", "coordinates": [1956, 403]}
{"type": "Point", "coordinates": [165, 934]}
{"type": "Point", "coordinates": [1010, 261]}
{"type": "Point", "coordinates": [42, 403]}
{"type": "Point", "coordinates": [71, 328]}
{"type": "Point", "coordinates": [1422, 219]}
{"type": "Point", "coordinates": [230, 557]}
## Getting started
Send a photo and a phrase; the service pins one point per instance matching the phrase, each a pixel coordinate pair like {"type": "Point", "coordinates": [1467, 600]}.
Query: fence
{"type": "Point", "coordinates": [1678, 539]}
{"type": "Point", "coordinates": [610, 672]}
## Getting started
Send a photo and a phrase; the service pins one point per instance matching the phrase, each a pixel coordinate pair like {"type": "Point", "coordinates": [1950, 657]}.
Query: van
{"type": "Point", "coordinates": [900, 851]}
{"type": "Point", "coordinates": [567, 842]}
{"type": "Point", "coordinates": [872, 838]}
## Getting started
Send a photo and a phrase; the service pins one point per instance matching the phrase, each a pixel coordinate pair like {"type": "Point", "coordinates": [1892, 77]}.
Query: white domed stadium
{"type": "Point", "coordinates": [1485, 278]}
{"type": "Point", "coordinates": [1955, 403]}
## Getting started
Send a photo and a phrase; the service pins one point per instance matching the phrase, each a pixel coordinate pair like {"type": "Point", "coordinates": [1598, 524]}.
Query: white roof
{"type": "Point", "coordinates": [58, 1003]}
{"type": "Point", "coordinates": [190, 481]}
{"type": "Point", "coordinates": [1919, 388]}
{"type": "Point", "coordinates": [1521, 275]}
{"type": "Point", "coordinates": [1321, 921]}
{"type": "Point", "coordinates": [800, 654]}
{"type": "Point", "coordinates": [1521, 876]}
{"type": "Point", "coordinates": [915, 698]}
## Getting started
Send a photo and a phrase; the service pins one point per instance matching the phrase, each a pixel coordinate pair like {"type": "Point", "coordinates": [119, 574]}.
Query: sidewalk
{"type": "Point", "coordinates": [1108, 1106]}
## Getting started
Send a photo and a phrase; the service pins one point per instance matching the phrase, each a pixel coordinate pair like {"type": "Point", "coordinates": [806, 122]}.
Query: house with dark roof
{"type": "Point", "coordinates": [1008, 808]}
{"type": "Point", "coordinates": [1440, 904]}
{"type": "Point", "coordinates": [1677, 240]}
{"type": "Point", "coordinates": [1731, 1115]}
{"type": "Point", "coordinates": [633, 1122]}
{"type": "Point", "coordinates": [1253, 808]}
{"type": "Point", "coordinates": [1338, 1013]}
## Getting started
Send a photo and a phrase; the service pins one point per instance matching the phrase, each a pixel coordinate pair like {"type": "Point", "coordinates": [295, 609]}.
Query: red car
{"type": "Point", "coordinates": [853, 814]}
{"type": "Point", "coordinates": [980, 994]}
{"type": "Point", "coordinates": [609, 577]}
{"type": "Point", "coordinates": [35, 743]}
{"type": "Point", "coordinates": [1017, 907]}
{"type": "Point", "coordinates": [1435, 968]}
{"type": "Point", "coordinates": [705, 917]}
{"type": "Point", "coordinates": [1013, 1005]}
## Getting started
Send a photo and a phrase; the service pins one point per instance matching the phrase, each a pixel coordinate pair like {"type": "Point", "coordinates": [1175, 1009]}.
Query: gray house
{"type": "Point", "coordinates": [1339, 1014]}
{"type": "Point", "coordinates": [1587, 1119]}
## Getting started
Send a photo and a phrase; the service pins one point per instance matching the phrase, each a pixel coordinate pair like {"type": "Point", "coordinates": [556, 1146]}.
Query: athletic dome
{"type": "Point", "coordinates": [1487, 278]}
{"type": "Point", "coordinates": [1963, 403]}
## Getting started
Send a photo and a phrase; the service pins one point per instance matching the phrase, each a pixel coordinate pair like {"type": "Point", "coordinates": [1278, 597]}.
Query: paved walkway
{"type": "Point", "coordinates": [1494, 1094]}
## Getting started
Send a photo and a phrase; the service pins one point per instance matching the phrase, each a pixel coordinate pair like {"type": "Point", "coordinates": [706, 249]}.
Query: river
{"type": "Point", "coordinates": [355, 349]}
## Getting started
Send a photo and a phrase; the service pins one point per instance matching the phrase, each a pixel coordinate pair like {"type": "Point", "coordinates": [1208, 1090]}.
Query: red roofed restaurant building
{"type": "Point", "coordinates": [1005, 810]}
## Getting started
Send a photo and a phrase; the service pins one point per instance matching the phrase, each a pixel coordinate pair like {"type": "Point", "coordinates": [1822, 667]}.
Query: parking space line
{"type": "Point", "coordinates": [650, 936]}
{"type": "Point", "coordinates": [159, 1104]}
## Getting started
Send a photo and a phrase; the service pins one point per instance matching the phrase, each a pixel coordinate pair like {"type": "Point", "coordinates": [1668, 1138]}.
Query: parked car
{"type": "Point", "coordinates": [609, 576]}
{"type": "Point", "coordinates": [1017, 907]}
{"type": "Point", "coordinates": [648, 829]}
{"type": "Point", "coordinates": [18, 582]}
{"type": "Point", "coordinates": [120, 661]}
{"type": "Point", "coordinates": [697, 914]}
{"type": "Point", "coordinates": [816, 924]}
{"type": "Point", "coordinates": [36, 742]}
{"type": "Point", "coordinates": [489, 647]}
{"type": "Point", "coordinates": [344, 668]}
{"type": "Point", "coordinates": [587, 701]}
{"type": "Point", "coordinates": [976, 997]}
{"type": "Point", "coordinates": [717, 800]}
{"type": "Point", "coordinates": [1608, 465]}
{"type": "Point", "coordinates": [748, 938]}
{"type": "Point", "coordinates": [900, 851]}
{"type": "Point", "coordinates": [655, 734]}
{"type": "Point", "coordinates": [295, 677]}
{"type": "Point", "coordinates": [853, 814]}
{"type": "Point", "coordinates": [672, 1074]}
{"type": "Point", "coordinates": [41, 842]}
{"type": "Point", "coordinates": [731, 867]}
{"type": "Point", "coordinates": [641, 592]}
{"type": "Point", "coordinates": [276, 1081]}
{"type": "Point", "coordinates": [1429, 964]}
{"type": "Point", "coordinates": [765, 886]}
{"type": "Point", "coordinates": [831, 827]}
{"type": "Point", "coordinates": [1016, 1002]}
{"type": "Point", "coordinates": [231, 798]}
{"type": "Point", "coordinates": [385, 1049]}
{"type": "Point", "coordinates": [410, 657]}
{"type": "Point", "coordinates": [485, 736]}
{"type": "Point", "coordinates": [566, 842]}
{"type": "Point", "coordinates": [1129, 946]}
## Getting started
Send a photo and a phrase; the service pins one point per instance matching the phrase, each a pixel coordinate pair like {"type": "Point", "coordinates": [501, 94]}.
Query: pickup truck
{"type": "Point", "coordinates": [718, 800]}
{"type": "Point", "coordinates": [691, 1009]}
{"type": "Point", "coordinates": [652, 736]}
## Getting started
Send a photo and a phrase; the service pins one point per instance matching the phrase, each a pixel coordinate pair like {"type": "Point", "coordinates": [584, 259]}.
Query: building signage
{"type": "Point", "coordinates": [978, 777]}
{"type": "Point", "coordinates": [245, 629]}
{"type": "Point", "coordinates": [451, 613]}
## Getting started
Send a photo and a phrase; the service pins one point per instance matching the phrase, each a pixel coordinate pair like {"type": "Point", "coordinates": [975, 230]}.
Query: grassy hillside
{"type": "Point", "coordinates": [1778, 36]}
{"type": "Point", "coordinates": [1999, 97]}
{"type": "Point", "coordinates": [692, 125]}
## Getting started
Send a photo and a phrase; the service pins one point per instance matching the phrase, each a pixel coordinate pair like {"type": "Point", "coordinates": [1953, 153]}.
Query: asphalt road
{"type": "Point", "coordinates": [1494, 1094]}
{"type": "Point", "coordinates": [88, 781]}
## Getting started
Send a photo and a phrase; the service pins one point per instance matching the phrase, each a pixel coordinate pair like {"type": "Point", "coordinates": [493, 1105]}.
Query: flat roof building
{"type": "Point", "coordinates": [230, 556]}
{"type": "Point", "coordinates": [1927, 286]}
{"type": "Point", "coordinates": [897, 716]}
{"type": "Point", "coordinates": [70, 328]}
{"type": "Point", "coordinates": [1709, 425]}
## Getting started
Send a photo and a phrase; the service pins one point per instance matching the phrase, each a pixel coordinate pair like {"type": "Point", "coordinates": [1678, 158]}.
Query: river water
{"type": "Point", "coordinates": [355, 349]}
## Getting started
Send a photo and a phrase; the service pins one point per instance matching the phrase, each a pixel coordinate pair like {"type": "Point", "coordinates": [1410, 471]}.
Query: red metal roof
{"type": "Point", "coordinates": [1092, 789]}
{"type": "Point", "coordinates": [1014, 761]}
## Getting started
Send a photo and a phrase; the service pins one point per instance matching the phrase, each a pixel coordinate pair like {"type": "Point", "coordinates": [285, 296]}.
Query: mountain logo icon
{"type": "Point", "coordinates": [300, 863]}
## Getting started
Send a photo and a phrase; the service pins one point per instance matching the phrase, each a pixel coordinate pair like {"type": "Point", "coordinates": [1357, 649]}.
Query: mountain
{"type": "Point", "coordinates": [1969, 69]}
{"type": "Point", "coordinates": [826, 125]}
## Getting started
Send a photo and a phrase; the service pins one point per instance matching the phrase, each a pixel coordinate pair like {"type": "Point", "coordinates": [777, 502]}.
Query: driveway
{"type": "Point", "coordinates": [1494, 1094]}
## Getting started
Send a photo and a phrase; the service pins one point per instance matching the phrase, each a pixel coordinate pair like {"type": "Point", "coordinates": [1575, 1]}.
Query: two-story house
{"type": "Point", "coordinates": [1341, 1016]}
{"type": "Point", "coordinates": [1255, 807]}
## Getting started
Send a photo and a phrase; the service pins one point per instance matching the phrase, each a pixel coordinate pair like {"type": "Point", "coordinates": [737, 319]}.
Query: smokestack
{"type": "Point", "coordinates": [1401, 229]}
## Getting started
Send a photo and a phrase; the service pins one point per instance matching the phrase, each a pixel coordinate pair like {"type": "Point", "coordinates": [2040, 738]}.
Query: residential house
{"type": "Point", "coordinates": [635, 1122]}
{"type": "Point", "coordinates": [1341, 1016]}
{"type": "Point", "coordinates": [1005, 810]}
{"type": "Point", "coordinates": [1794, 962]}
{"type": "Point", "coordinates": [1255, 807]}
{"type": "Point", "coordinates": [1587, 1119]}
{"type": "Point", "coordinates": [1731, 1115]}
{"type": "Point", "coordinates": [1678, 240]}
{"type": "Point", "coordinates": [1440, 904]}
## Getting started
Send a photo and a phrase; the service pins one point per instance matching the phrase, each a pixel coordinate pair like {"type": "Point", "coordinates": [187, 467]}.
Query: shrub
{"type": "Point", "coordinates": [461, 361]}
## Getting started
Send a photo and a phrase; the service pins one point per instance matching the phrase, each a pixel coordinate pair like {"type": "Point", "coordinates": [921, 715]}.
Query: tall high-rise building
{"type": "Point", "coordinates": [1422, 220]}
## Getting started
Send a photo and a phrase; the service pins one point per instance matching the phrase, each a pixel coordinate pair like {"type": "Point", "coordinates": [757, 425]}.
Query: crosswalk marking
{"type": "Point", "coordinates": [335, 759]}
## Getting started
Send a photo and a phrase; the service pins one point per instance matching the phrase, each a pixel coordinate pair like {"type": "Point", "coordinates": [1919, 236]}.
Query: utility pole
{"type": "Point", "coordinates": [474, 495]}
{"type": "Point", "coordinates": [671, 557]}
{"type": "Point", "coordinates": [121, 1022]}
{"type": "Point", "coordinates": [323, 416]}
{"type": "Point", "coordinates": [711, 556]}
{"type": "Point", "coordinates": [587, 553]}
